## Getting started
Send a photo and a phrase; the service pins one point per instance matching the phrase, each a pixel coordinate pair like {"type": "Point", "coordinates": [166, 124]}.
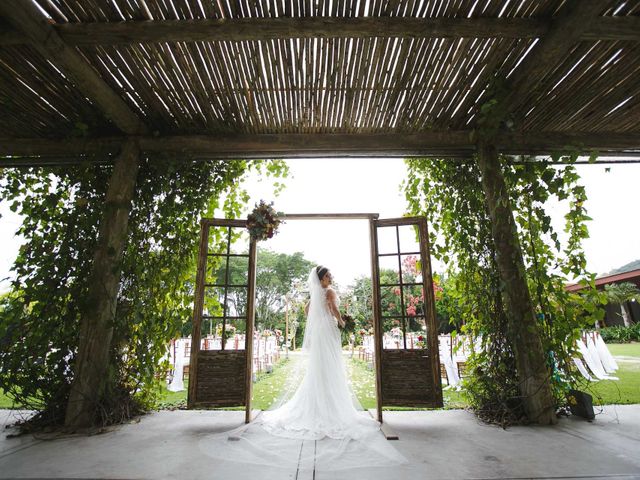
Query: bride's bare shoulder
{"type": "Point", "coordinates": [331, 293]}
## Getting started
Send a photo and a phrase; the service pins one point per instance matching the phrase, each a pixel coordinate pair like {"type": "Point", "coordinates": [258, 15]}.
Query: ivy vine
{"type": "Point", "coordinates": [450, 194]}
{"type": "Point", "coordinates": [39, 320]}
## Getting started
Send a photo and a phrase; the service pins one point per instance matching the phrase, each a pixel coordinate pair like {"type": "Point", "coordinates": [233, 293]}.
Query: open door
{"type": "Point", "coordinates": [406, 335]}
{"type": "Point", "coordinates": [220, 370]}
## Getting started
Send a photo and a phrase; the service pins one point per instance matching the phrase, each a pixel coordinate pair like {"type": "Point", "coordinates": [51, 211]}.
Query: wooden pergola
{"type": "Point", "coordinates": [110, 80]}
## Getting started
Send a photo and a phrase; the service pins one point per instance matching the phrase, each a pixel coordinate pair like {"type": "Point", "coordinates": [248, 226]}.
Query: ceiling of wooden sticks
{"type": "Point", "coordinates": [218, 78]}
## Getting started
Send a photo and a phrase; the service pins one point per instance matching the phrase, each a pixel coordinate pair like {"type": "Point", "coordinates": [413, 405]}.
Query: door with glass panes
{"type": "Point", "coordinates": [223, 318]}
{"type": "Point", "coordinates": [406, 335]}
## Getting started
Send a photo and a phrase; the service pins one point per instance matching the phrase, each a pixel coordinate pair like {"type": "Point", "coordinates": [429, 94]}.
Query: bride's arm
{"type": "Point", "coordinates": [332, 302]}
{"type": "Point", "coordinates": [306, 309]}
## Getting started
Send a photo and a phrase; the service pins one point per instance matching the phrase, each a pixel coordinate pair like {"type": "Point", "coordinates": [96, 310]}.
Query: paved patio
{"type": "Point", "coordinates": [439, 444]}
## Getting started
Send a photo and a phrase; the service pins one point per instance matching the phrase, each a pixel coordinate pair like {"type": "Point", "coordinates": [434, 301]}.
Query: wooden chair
{"type": "Point", "coordinates": [443, 373]}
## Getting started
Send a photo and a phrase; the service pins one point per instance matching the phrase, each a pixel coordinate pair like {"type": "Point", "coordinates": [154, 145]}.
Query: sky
{"type": "Point", "coordinates": [368, 185]}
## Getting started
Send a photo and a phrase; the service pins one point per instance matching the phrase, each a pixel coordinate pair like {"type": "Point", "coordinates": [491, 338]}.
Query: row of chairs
{"type": "Point", "coordinates": [265, 355]}
{"type": "Point", "coordinates": [453, 351]}
{"type": "Point", "coordinates": [595, 362]}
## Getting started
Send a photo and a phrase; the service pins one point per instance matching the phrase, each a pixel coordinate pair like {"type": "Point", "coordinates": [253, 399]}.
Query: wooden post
{"type": "Point", "coordinates": [286, 325]}
{"type": "Point", "coordinates": [197, 315]}
{"type": "Point", "coordinates": [533, 373]}
{"type": "Point", "coordinates": [251, 319]}
{"type": "Point", "coordinates": [96, 324]}
{"type": "Point", "coordinates": [377, 321]}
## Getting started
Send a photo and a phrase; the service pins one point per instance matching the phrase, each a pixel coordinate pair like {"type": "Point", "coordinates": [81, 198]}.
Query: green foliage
{"type": "Point", "coordinates": [280, 278]}
{"type": "Point", "coordinates": [357, 301]}
{"type": "Point", "coordinates": [622, 292]}
{"type": "Point", "coordinates": [62, 207]}
{"type": "Point", "coordinates": [621, 334]}
{"type": "Point", "coordinates": [450, 194]}
{"type": "Point", "coordinates": [278, 275]}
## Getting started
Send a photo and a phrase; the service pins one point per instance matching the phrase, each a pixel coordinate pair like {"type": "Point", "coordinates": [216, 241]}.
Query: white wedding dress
{"type": "Point", "coordinates": [319, 427]}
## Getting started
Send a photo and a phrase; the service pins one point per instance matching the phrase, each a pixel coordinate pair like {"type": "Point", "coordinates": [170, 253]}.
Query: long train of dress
{"type": "Point", "coordinates": [321, 413]}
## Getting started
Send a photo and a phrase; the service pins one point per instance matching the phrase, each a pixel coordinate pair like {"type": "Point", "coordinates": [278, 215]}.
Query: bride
{"type": "Point", "coordinates": [322, 406]}
{"type": "Point", "coordinates": [319, 427]}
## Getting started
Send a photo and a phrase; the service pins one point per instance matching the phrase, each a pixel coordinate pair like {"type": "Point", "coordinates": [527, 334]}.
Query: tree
{"type": "Point", "coordinates": [621, 293]}
{"type": "Point", "coordinates": [276, 276]}
{"type": "Point", "coordinates": [452, 197]}
{"type": "Point", "coordinates": [61, 209]}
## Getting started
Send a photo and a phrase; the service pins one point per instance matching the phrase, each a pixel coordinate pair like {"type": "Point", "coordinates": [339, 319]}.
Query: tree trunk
{"type": "Point", "coordinates": [625, 314]}
{"type": "Point", "coordinates": [533, 373]}
{"type": "Point", "coordinates": [96, 324]}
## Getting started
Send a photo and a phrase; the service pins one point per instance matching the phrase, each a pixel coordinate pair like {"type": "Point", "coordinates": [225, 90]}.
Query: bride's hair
{"type": "Point", "coordinates": [321, 271]}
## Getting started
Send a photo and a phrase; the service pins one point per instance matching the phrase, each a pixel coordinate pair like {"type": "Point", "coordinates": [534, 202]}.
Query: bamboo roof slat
{"type": "Point", "coordinates": [297, 67]}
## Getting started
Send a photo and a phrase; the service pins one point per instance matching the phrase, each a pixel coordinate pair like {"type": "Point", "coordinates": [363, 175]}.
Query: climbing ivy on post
{"type": "Point", "coordinates": [451, 195]}
{"type": "Point", "coordinates": [523, 332]}
{"type": "Point", "coordinates": [39, 321]}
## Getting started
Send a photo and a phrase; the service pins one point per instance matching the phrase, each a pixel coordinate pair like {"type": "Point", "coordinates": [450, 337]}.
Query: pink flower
{"type": "Point", "coordinates": [396, 292]}
{"type": "Point", "coordinates": [411, 310]}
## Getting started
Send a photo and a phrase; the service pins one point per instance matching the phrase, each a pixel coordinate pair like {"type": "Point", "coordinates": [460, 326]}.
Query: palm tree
{"type": "Point", "coordinates": [621, 293]}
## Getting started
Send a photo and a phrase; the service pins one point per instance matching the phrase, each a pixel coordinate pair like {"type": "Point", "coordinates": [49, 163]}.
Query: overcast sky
{"type": "Point", "coordinates": [372, 186]}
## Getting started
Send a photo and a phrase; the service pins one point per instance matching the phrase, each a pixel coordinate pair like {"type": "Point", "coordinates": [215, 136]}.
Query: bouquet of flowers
{"type": "Point", "coordinates": [229, 331]}
{"type": "Point", "coordinates": [263, 221]}
{"type": "Point", "coordinates": [422, 342]}
{"type": "Point", "coordinates": [349, 323]}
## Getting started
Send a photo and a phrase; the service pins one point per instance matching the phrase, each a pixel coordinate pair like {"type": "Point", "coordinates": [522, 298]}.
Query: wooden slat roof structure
{"type": "Point", "coordinates": [256, 78]}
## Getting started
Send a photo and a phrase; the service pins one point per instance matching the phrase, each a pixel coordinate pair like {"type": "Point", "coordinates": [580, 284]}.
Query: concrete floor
{"type": "Point", "coordinates": [439, 444]}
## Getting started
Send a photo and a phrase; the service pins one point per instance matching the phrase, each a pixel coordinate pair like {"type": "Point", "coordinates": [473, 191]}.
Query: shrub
{"type": "Point", "coordinates": [620, 334]}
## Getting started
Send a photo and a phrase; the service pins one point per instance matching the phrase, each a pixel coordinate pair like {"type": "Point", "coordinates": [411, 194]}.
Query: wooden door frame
{"type": "Point", "coordinates": [429, 300]}
{"type": "Point", "coordinates": [205, 225]}
{"type": "Point", "coordinates": [374, 222]}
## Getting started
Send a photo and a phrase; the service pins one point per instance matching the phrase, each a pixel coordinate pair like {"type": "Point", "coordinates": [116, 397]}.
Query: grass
{"type": "Point", "coordinates": [265, 391]}
{"type": "Point", "coordinates": [626, 390]}
{"type": "Point", "coordinates": [625, 349]}
{"type": "Point", "coordinates": [363, 382]}
{"type": "Point", "coordinates": [5, 400]}
{"type": "Point", "coordinates": [269, 385]}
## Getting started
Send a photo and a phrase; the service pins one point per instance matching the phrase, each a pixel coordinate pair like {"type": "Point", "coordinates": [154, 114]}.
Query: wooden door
{"type": "Point", "coordinates": [220, 371]}
{"type": "Point", "coordinates": [407, 369]}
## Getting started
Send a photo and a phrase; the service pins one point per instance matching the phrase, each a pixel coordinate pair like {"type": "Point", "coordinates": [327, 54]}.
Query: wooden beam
{"type": "Point", "coordinates": [446, 144]}
{"type": "Point", "coordinates": [301, 145]}
{"type": "Point", "coordinates": [154, 31]}
{"type": "Point", "coordinates": [308, 27]}
{"type": "Point", "coordinates": [566, 30]}
{"type": "Point", "coordinates": [59, 147]}
{"type": "Point", "coordinates": [26, 18]}
{"type": "Point", "coordinates": [613, 28]}
{"type": "Point", "coordinates": [546, 143]}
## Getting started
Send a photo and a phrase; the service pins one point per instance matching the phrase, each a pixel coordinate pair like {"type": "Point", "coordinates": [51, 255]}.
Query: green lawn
{"type": "Point", "coordinates": [363, 382]}
{"type": "Point", "coordinates": [265, 391]}
{"type": "Point", "coordinates": [627, 389]}
{"type": "Point", "coordinates": [268, 387]}
{"type": "Point", "coordinates": [5, 401]}
{"type": "Point", "coordinates": [626, 349]}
